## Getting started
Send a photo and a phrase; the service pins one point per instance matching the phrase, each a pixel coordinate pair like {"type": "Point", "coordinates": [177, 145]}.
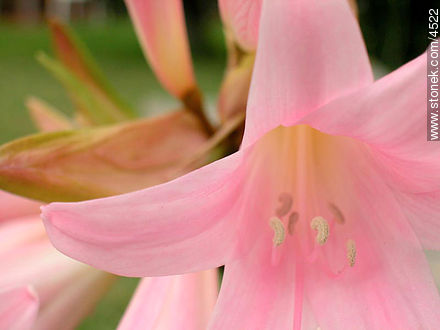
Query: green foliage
{"type": "Point", "coordinates": [111, 308]}
{"type": "Point", "coordinates": [114, 45]}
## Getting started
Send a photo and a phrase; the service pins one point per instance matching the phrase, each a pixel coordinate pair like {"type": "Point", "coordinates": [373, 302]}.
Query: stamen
{"type": "Point", "coordinates": [279, 232]}
{"type": "Point", "coordinates": [321, 226]}
{"type": "Point", "coordinates": [286, 201]}
{"type": "Point", "coordinates": [293, 218]}
{"type": "Point", "coordinates": [351, 252]}
{"type": "Point", "coordinates": [337, 213]}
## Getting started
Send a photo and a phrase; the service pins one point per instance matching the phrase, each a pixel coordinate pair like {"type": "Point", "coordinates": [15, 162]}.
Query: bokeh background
{"type": "Point", "coordinates": [395, 32]}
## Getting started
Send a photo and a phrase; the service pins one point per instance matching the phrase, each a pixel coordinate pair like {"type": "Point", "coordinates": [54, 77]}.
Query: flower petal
{"type": "Point", "coordinates": [256, 294]}
{"type": "Point", "coordinates": [390, 285]}
{"type": "Point", "coordinates": [173, 302]}
{"type": "Point", "coordinates": [390, 116]}
{"type": "Point", "coordinates": [242, 17]}
{"type": "Point", "coordinates": [234, 91]}
{"type": "Point", "coordinates": [17, 232]}
{"type": "Point", "coordinates": [18, 308]}
{"type": "Point", "coordinates": [185, 225]}
{"type": "Point", "coordinates": [91, 163]}
{"type": "Point", "coordinates": [12, 206]}
{"type": "Point", "coordinates": [67, 295]}
{"type": "Point", "coordinates": [34, 263]}
{"type": "Point", "coordinates": [47, 118]}
{"type": "Point", "coordinates": [309, 52]}
{"type": "Point", "coordinates": [423, 212]}
{"type": "Point", "coordinates": [77, 299]}
{"type": "Point", "coordinates": [160, 26]}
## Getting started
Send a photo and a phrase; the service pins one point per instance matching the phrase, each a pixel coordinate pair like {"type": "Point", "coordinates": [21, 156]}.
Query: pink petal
{"type": "Point", "coordinates": [75, 301]}
{"type": "Point", "coordinates": [12, 206]}
{"type": "Point", "coordinates": [160, 26]}
{"type": "Point", "coordinates": [390, 285]}
{"type": "Point", "coordinates": [18, 308]}
{"type": "Point", "coordinates": [173, 302]}
{"type": "Point", "coordinates": [309, 52]}
{"type": "Point", "coordinates": [35, 263]}
{"type": "Point", "coordinates": [19, 232]}
{"type": "Point", "coordinates": [66, 295]}
{"type": "Point", "coordinates": [256, 294]}
{"type": "Point", "coordinates": [422, 210]}
{"type": "Point", "coordinates": [46, 117]}
{"type": "Point", "coordinates": [242, 17]}
{"type": "Point", "coordinates": [185, 225]}
{"type": "Point", "coordinates": [390, 116]}
{"type": "Point", "coordinates": [233, 93]}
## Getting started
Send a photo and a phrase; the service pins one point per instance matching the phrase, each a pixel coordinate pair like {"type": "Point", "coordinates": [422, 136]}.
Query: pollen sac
{"type": "Point", "coordinates": [286, 202]}
{"type": "Point", "coordinates": [293, 218]}
{"type": "Point", "coordinates": [279, 233]}
{"type": "Point", "coordinates": [337, 213]}
{"type": "Point", "coordinates": [321, 226]}
{"type": "Point", "coordinates": [351, 252]}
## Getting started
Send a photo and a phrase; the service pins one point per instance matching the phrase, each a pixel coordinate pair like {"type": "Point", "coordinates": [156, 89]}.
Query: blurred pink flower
{"type": "Point", "coordinates": [12, 206]}
{"type": "Point", "coordinates": [241, 18]}
{"type": "Point", "coordinates": [172, 302]}
{"type": "Point", "coordinates": [322, 216]}
{"type": "Point", "coordinates": [67, 290]}
{"type": "Point", "coordinates": [18, 308]}
{"type": "Point", "coordinates": [161, 29]}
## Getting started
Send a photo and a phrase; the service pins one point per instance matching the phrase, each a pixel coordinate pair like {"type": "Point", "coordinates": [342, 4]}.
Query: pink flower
{"type": "Point", "coordinates": [322, 216]}
{"type": "Point", "coordinates": [67, 290]}
{"type": "Point", "coordinates": [241, 19]}
{"type": "Point", "coordinates": [160, 26]}
{"type": "Point", "coordinates": [172, 302]}
{"type": "Point", "coordinates": [18, 308]}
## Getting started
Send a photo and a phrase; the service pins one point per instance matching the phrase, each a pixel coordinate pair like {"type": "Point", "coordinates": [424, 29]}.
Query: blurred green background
{"type": "Point", "coordinates": [395, 32]}
{"type": "Point", "coordinates": [113, 44]}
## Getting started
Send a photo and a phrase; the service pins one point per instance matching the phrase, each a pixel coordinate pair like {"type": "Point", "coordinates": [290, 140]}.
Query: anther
{"type": "Point", "coordinates": [293, 218]}
{"type": "Point", "coordinates": [337, 213]}
{"type": "Point", "coordinates": [321, 226]}
{"type": "Point", "coordinates": [279, 232]}
{"type": "Point", "coordinates": [351, 252]}
{"type": "Point", "coordinates": [286, 202]}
